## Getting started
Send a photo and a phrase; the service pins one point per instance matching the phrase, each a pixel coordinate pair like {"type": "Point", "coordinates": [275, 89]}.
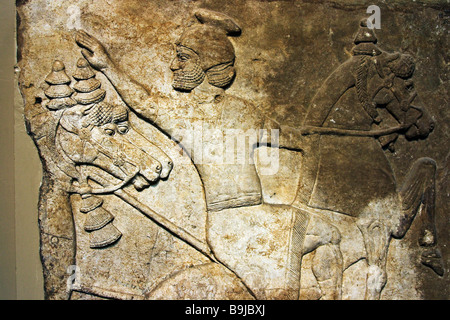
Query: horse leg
{"type": "Point", "coordinates": [376, 237]}
{"type": "Point", "coordinates": [418, 195]}
{"type": "Point", "coordinates": [327, 263]}
{"type": "Point", "coordinates": [418, 189]}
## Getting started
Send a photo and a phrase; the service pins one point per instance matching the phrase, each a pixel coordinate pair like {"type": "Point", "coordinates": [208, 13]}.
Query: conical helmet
{"type": "Point", "coordinates": [365, 34]}
{"type": "Point", "coordinates": [365, 41]}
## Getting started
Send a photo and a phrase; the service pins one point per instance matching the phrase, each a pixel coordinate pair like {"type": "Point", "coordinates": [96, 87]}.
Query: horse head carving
{"type": "Point", "coordinates": [99, 144]}
{"type": "Point", "coordinates": [100, 135]}
{"type": "Point", "coordinates": [96, 146]}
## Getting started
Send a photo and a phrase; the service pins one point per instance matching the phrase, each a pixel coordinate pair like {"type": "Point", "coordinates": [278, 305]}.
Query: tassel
{"type": "Point", "coordinates": [90, 203]}
{"type": "Point", "coordinates": [97, 219]}
{"type": "Point", "coordinates": [104, 236]}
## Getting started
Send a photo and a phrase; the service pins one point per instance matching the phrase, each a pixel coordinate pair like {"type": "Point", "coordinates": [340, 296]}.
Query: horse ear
{"type": "Point", "coordinates": [392, 56]}
{"type": "Point", "coordinates": [218, 20]}
{"type": "Point", "coordinates": [85, 110]}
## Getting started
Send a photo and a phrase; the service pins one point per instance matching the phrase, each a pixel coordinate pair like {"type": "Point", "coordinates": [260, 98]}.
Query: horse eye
{"type": "Point", "coordinates": [409, 85]}
{"type": "Point", "coordinates": [109, 132]}
{"type": "Point", "coordinates": [122, 129]}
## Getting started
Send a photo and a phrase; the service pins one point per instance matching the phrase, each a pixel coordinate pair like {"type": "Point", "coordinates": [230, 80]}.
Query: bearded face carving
{"type": "Point", "coordinates": [187, 72]}
{"type": "Point", "coordinates": [204, 50]}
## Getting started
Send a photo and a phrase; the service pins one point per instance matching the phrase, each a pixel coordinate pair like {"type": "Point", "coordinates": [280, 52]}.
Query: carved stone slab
{"type": "Point", "coordinates": [239, 150]}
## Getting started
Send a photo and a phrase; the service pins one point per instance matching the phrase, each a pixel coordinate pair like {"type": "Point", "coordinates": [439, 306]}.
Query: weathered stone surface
{"type": "Point", "coordinates": [146, 119]}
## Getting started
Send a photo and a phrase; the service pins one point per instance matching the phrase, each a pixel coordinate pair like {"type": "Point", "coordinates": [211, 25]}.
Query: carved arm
{"type": "Point", "coordinates": [133, 93]}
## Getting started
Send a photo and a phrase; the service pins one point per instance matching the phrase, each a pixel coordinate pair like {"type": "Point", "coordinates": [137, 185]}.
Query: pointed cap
{"type": "Point", "coordinates": [365, 34]}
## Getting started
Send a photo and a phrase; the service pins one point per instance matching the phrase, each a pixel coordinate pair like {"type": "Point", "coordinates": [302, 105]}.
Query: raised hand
{"type": "Point", "coordinates": [132, 92]}
{"type": "Point", "coordinates": [93, 50]}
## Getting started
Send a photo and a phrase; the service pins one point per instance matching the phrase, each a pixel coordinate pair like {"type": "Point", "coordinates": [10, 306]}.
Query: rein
{"type": "Point", "coordinates": [310, 130]}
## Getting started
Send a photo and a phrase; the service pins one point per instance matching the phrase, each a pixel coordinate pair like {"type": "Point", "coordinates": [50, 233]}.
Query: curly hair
{"type": "Point", "coordinates": [103, 113]}
{"type": "Point", "coordinates": [403, 66]}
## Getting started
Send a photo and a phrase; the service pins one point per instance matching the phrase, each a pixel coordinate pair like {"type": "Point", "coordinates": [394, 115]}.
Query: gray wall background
{"type": "Point", "coordinates": [20, 175]}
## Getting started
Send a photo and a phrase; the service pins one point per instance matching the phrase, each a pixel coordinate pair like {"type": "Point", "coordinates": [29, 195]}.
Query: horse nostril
{"type": "Point", "coordinates": [140, 183]}
{"type": "Point", "coordinates": [158, 169]}
{"type": "Point", "coordinates": [431, 126]}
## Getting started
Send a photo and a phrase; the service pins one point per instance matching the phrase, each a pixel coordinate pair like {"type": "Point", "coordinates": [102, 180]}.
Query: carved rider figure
{"type": "Point", "coordinates": [345, 169]}
{"type": "Point", "coordinates": [203, 68]}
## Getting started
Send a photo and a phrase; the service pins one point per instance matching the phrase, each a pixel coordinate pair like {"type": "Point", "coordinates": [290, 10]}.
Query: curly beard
{"type": "Point", "coordinates": [188, 79]}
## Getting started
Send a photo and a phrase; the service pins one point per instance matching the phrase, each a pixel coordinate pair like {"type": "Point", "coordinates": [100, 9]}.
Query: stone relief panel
{"type": "Point", "coordinates": [174, 169]}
